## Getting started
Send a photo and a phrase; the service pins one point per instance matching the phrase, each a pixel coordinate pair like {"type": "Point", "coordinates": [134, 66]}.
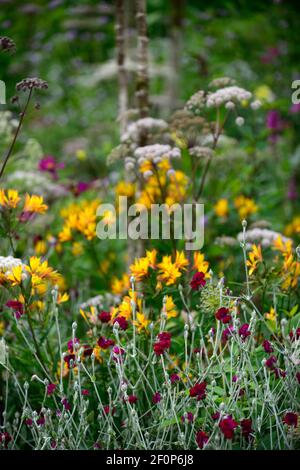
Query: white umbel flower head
{"type": "Point", "coordinates": [224, 95]}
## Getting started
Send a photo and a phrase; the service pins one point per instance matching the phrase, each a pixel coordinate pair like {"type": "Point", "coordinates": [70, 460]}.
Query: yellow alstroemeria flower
{"type": "Point", "coordinates": [61, 298]}
{"type": "Point", "coordinates": [34, 204]}
{"type": "Point", "coordinates": [200, 264]}
{"type": "Point", "coordinates": [170, 307]}
{"type": "Point", "coordinates": [119, 286]}
{"type": "Point", "coordinates": [255, 257]}
{"type": "Point", "coordinates": [221, 208]}
{"type": "Point", "coordinates": [141, 323]}
{"type": "Point", "coordinates": [271, 315]}
{"type": "Point", "coordinates": [65, 235]}
{"type": "Point", "coordinates": [245, 206]}
{"type": "Point", "coordinates": [139, 269]}
{"type": "Point", "coordinates": [169, 272]}
{"type": "Point", "coordinates": [283, 247]}
{"type": "Point", "coordinates": [180, 261]}
{"type": "Point", "coordinates": [15, 277]}
{"type": "Point", "coordinates": [40, 247]}
{"type": "Point", "coordinates": [151, 257]}
{"type": "Point", "coordinates": [11, 199]}
{"type": "Point", "coordinates": [125, 189]}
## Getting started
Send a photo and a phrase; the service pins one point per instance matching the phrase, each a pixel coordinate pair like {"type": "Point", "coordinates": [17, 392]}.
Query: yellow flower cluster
{"type": "Point", "coordinates": [119, 286]}
{"type": "Point", "coordinates": [293, 227]}
{"type": "Point", "coordinates": [125, 189]}
{"type": "Point", "coordinates": [271, 315]}
{"type": "Point", "coordinates": [291, 266]}
{"type": "Point", "coordinates": [161, 188]}
{"type": "Point", "coordinates": [200, 264]}
{"type": "Point", "coordinates": [221, 208]}
{"type": "Point", "coordinates": [9, 199]}
{"type": "Point", "coordinates": [170, 271]}
{"type": "Point", "coordinates": [245, 206]}
{"type": "Point", "coordinates": [140, 268]}
{"type": "Point", "coordinates": [33, 204]}
{"type": "Point", "coordinates": [42, 276]}
{"type": "Point", "coordinates": [79, 217]}
{"type": "Point", "coordinates": [255, 257]}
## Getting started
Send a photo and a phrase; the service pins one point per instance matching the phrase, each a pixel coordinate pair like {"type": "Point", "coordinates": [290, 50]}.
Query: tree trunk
{"type": "Point", "coordinates": [121, 56]}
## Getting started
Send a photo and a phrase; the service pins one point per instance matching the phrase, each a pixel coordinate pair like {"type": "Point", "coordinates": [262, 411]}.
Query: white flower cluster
{"type": "Point", "coordinates": [199, 151]}
{"type": "Point", "coordinates": [229, 94]}
{"type": "Point", "coordinates": [7, 263]}
{"type": "Point", "coordinates": [221, 82]}
{"type": "Point", "coordinates": [100, 301]}
{"type": "Point", "coordinates": [136, 129]}
{"type": "Point", "coordinates": [41, 183]}
{"type": "Point", "coordinates": [196, 102]}
{"type": "Point", "coordinates": [7, 126]}
{"type": "Point", "coordinates": [263, 236]}
{"type": "Point", "coordinates": [154, 153]}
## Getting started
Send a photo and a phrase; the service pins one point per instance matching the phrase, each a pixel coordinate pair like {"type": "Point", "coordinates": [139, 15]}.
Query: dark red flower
{"type": "Point", "coordinates": [298, 377]}
{"type": "Point", "coordinates": [156, 398]}
{"type": "Point", "coordinates": [28, 422]}
{"type": "Point", "coordinates": [41, 420]}
{"type": "Point", "coordinates": [72, 343]}
{"type": "Point", "coordinates": [216, 416]}
{"type": "Point", "coordinates": [117, 350]}
{"type": "Point", "coordinates": [246, 425]}
{"type": "Point", "coordinates": [5, 438]}
{"type": "Point", "coordinates": [279, 372]}
{"type": "Point", "coordinates": [87, 350]}
{"type": "Point", "coordinates": [53, 444]}
{"type": "Point", "coordinates": [66, 404]}
{"type": "Point", "coordinates": [164, 336]}
{"type": "Point", "coordinates": [123, 323]}
{"type": "Point", "coordinates": [85, 392]}
{"type": "Point", "coordinates": [189, 417]}
{"type": "Point", "coordinates": [117, 353]}
{"type": "Point", "coordinates": [223, 315]}
{"type": "Point", "coordinates": [267, 346]}
{"type": "Point", "coordinates": [17, 307]}
{"type": "Point", "coordinates": [244, 331]}
{"type": "Point", "coordinates": [132, 399]}
{"type": "Point", "coordinates": [227, 426]}
{"type": "Point", "coordinates": [227, 333]}
{"type": "Point", "coordinates": [270, 362]}
{"type": "Point", "coordinates": [291, 419]}
{"type": "Point", "coordinates": [105, 343]}
{"type": "Point", "coordinates": [50, 389]}
{"type": "Point", "coordinates": [163, 343]}
{"type": "Point", "coordinates": [174, 378]}
{"type": "Point", "coordinates": [70, 360]}
{"type": "Point", "coordinates": [293, 335]}
{"type": "Point", "coordinates": [198, 281]}
{"type": "Point", "coordinates": [107, 410]}
{"type": "Point", "coordinates": [201, 439]}
{"type": "Point", "coordinates": [104, 316]}
{"type": "Point", "coordinates": [198, 391]}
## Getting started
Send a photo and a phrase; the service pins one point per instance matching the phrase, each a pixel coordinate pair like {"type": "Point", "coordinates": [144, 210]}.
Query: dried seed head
{"type": "Point", "coordinates": [31, 83]}
{"type": "Point", "coordinates": [7, 44]}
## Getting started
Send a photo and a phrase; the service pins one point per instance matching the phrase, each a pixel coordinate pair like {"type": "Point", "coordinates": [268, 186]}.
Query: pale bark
{"type": "Point", "coordinates": [121, 58]}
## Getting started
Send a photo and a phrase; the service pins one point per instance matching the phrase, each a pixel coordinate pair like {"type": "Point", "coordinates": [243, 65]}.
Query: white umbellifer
{"type": "Point", "coordinates": [228, 94]}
